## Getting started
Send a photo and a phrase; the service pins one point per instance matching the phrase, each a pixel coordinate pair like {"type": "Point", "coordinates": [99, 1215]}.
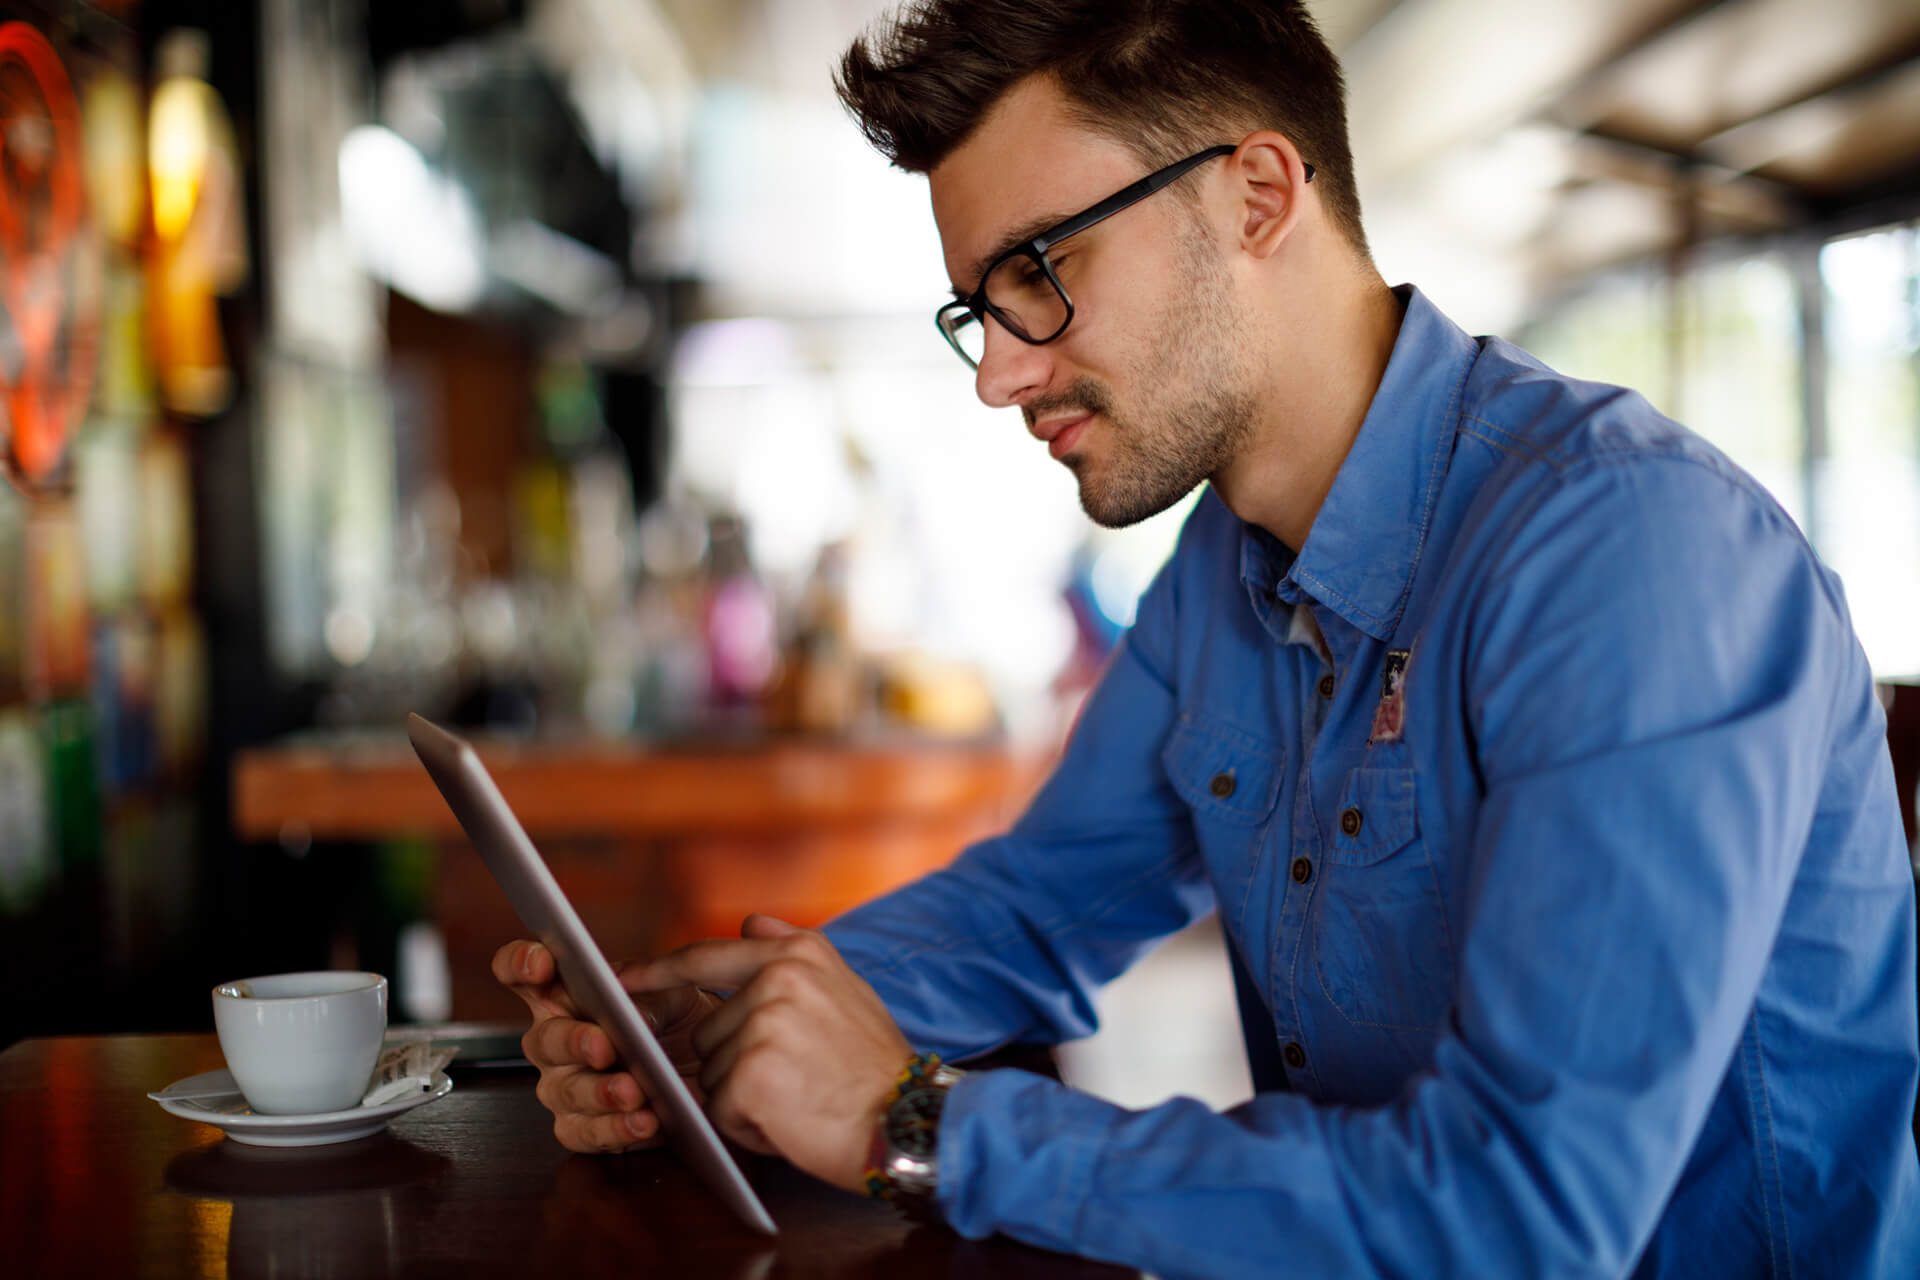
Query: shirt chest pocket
{"type": "Point", "coordinates": [1381, 942]}
{"type": "Point", "coordinates": [1231, 782]}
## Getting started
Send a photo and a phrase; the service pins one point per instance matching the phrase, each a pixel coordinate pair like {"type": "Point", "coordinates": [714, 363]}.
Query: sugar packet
{"type": "Point", "coordinates": [404, 1069]}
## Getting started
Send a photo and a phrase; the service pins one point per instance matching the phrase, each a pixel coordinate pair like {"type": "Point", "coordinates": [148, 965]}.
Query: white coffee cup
{"type": "Point", "coordinates": [301, 1043]}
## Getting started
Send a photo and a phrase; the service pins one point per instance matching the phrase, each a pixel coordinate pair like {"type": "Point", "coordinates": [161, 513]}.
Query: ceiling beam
{"type": "Point", "coordinates": [1848, 136]}
{"type": "Point", "coordinates": [1569, 110]}
{"type": "Point", "coordinates": [1434, 75]}
{"type": "Point", "coordinates": [1601, 156]}
{"type": "Point", "coordinates": [1739, 62]}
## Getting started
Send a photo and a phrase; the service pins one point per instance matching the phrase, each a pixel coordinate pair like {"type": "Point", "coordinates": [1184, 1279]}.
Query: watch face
{"type": "Point", "coordinates": [913, 1123]}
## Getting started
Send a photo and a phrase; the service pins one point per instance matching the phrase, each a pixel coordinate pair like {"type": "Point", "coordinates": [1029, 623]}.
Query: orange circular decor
{"type": "Point", "coordinates": [49, 295]}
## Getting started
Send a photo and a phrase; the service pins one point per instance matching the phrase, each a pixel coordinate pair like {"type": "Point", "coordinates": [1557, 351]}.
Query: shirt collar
{"type": "Point", "coordinates": [1365, 543]}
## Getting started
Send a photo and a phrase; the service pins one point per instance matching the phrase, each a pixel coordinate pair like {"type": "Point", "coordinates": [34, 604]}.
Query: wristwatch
{"type": "Point", "coordinates": [903, 1164]}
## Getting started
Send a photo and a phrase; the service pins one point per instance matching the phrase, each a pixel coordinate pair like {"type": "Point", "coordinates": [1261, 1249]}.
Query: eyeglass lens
{"type": "Point", "coordinates": [967, 334]}
{"type": "Point", "coordinates": [1022, 296]}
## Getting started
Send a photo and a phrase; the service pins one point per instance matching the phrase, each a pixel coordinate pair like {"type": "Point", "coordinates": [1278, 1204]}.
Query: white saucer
{"type": "Point", "coordinates": [212, 1098]}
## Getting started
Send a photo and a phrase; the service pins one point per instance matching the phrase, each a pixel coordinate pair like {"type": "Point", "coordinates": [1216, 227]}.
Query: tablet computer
{"type": "Point", "coordinates": [503, 844]}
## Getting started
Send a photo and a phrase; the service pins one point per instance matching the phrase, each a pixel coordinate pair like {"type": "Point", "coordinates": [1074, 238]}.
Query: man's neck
{"type": "Point", "coordinates": [1323, 373]}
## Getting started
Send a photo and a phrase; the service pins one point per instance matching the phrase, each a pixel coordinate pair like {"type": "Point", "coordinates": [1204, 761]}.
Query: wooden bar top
{"type": "Point", "coordinates": [366, 789]}
{"type": "Point", "coordinates": [97, 1180]}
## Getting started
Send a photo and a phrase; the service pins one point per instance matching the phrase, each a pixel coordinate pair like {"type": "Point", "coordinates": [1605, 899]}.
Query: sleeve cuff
{"type": "Point", "coordinates": [1016, 1155]}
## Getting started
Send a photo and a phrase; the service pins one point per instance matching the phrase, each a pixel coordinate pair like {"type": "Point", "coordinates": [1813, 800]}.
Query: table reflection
{"type": "Point", "coordinates": [318, 1212]}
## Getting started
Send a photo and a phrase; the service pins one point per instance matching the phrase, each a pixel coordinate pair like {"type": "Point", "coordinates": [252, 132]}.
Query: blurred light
{"type": "Point", "coordinates": [415, 229]}
{"type": "Point", "coordinates": [1115, 588]}
{"type": "Point", "coordinates": [492, 622]}
{"type": "Point", "coordinates": [742, 635]}
{"type": "Point", "coordinates": [610, 705]}
{"type": "Point", "coordinates": [600, 507]}
{"type": "Point", "coordinates": [1867, 310]}
{"type": "Point", "coordinates": [759, 432]}
{"type": "Point", "coordinates": [110, 115]}
{"type": "Point", "coordinates": [673, 538]}
{"type": "Point", "coordinates": [424, 981]}
{"type": "Point", "coordinates": [871, 247]}
{"type": "Point", "coordinates": [177, 146]}
{"type": "Point", "coordinates": [349, 636]}
{"type": "Point", "coordinates": [749, 352]}
{"type": "Point", "coordinates": [555, 267]}
{"type": "Point", "coordinates": [884, 588]}
{"type": "Point", "coordinates": [625, 328]}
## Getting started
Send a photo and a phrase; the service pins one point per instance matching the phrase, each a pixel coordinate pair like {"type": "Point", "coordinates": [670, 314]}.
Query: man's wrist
{"type": "Point", "coordinates": [903, 1160]}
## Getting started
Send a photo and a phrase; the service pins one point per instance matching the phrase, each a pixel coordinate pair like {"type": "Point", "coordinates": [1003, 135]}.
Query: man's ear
{"type": "Point", "coordinates": [1270, 187]}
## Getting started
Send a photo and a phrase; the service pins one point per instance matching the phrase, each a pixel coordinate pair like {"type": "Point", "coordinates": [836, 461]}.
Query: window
{"type": "Point", "coordinates": [1869, 482]}
{"type": "Point", "coordinates": [1730, 361]}
{"type": "Point", "coordinates": [1740, 369]}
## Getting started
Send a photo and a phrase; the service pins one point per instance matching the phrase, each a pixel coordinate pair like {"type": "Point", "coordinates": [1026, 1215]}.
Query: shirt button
{"type": "Point", "coordinates": [1296, 1056]}
{"type": "Point", "coordinates": [1326, 685]}
{"type": "Point", "coordinates": [1302, 870]}
{"type": "Point", "coordinates": [1350, 823]}
{"type": "Point", "coordinates": [1222, 784]}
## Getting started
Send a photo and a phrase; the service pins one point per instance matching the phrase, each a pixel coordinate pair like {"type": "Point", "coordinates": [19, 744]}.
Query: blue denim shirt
{"type": "Point", "coordinates": [1545, 801]}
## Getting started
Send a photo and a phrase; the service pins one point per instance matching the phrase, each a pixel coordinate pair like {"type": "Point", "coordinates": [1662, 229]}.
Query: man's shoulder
{"type": "Point", "coordinates": [1548, 431]}
{"type": "Point", "coordinates": [1582, 490]}
{"type": "Point", "coordinates": [1517, 404]}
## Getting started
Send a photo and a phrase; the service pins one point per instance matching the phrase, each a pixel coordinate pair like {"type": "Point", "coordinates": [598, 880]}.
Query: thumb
{"type": "Point", "coordinates": [760, 926]}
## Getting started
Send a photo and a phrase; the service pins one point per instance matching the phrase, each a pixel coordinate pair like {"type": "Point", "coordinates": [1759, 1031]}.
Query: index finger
{"type": "Point", "coordinates": [726, 963]}
{"type": "Point", "coordinates": [528, 970]}
{"type": "Point", "coordinates": [664, 1008]}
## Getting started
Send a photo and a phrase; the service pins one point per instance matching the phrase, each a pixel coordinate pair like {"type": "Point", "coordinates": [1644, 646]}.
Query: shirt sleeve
{"type": "Point", "coordinates": [1656, 669]}
{"type": "Point", "coordinates": [1010, 943]}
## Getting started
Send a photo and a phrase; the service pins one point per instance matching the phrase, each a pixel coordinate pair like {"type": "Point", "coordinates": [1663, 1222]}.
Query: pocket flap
{"type": "Point", "coordinates": [1386, 817]}
{"type": "Point", "coordinates": [1222, 773]}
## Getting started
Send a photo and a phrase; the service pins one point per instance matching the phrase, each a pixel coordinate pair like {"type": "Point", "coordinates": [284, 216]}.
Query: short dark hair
{"type": "Point", "coordinates": [1165, 77]}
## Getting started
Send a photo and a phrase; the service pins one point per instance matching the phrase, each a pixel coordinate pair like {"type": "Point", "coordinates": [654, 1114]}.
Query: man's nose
{"type": "Point", "coordinates": [1010, 370]}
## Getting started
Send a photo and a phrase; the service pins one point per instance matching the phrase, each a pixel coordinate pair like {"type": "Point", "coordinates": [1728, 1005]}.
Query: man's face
{"type": "Point", "coordinates": [1144, 396]}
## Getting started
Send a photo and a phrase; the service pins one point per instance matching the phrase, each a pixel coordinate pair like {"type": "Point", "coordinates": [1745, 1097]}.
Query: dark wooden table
{"type": "Point", "coordinates": [97, 1180]}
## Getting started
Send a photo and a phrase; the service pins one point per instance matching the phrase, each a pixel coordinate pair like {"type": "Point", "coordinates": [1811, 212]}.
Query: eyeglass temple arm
{"type": "Point", "coordinates": [1137, 192]}
{"type": "Point", "coordinates": [1127, 197]}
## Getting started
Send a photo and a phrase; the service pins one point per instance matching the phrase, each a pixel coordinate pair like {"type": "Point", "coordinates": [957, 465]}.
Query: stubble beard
{"type": "Point", "coordinates": [1160, 456]}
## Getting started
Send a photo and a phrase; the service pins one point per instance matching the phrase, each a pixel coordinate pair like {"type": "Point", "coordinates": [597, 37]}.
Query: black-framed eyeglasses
{"type": "Point", "coordinates": [1021, 289]}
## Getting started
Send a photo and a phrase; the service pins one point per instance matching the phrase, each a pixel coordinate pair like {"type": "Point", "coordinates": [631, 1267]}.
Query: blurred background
{"type": "Point", "coordinates": [564, 370]}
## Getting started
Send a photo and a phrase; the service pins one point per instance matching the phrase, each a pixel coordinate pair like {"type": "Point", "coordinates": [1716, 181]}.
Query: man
{"type": "Point", "coordinates": [1521, 743]}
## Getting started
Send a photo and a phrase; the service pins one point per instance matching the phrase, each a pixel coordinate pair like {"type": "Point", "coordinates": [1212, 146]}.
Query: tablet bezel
{"type": "Point", "coordinates": [504, 846]}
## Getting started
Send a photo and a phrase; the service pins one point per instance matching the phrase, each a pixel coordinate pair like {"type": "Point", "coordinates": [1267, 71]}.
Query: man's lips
{"type": "Point", "coordinates": [1061, 434]}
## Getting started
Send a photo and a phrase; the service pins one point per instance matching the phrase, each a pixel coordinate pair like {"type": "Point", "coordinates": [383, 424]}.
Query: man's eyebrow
{"type": "Point", "coordinates": [1011, 241]}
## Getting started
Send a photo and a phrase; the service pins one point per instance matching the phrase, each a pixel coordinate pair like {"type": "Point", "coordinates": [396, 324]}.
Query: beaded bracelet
{"type": "Point", "coordinates": [919, 1067]}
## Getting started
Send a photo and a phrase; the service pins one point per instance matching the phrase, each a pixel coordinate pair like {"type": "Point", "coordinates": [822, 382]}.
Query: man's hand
{"type": "Point", "coordinates": [801, 1059]}
{"type": "Point", "coordinates": [596, 1108]}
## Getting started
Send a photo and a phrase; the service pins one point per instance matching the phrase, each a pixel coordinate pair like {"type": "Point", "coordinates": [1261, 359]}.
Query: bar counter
{"type": "Point", "coordinates": [371, 788]}
{"type": "Point", "coordinates": [656, 845]}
